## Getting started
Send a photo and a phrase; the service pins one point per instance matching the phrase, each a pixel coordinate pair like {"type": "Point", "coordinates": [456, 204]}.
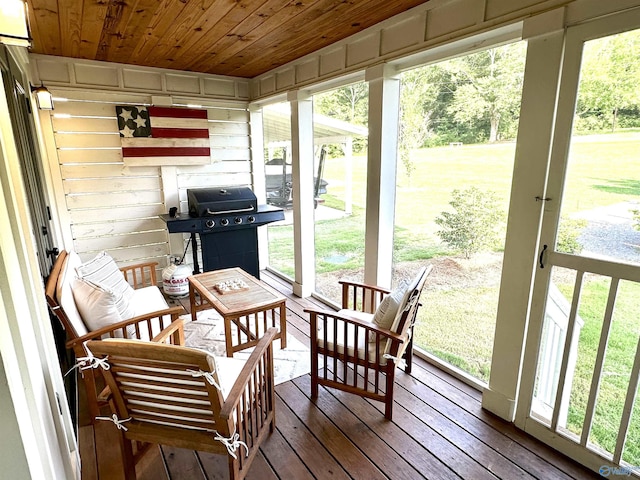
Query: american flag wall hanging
{"type": "Point", "coordinates": [163, 135]}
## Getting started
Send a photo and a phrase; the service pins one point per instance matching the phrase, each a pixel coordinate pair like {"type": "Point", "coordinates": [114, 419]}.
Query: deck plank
{"type": "Point", "coordinates": [312, 452]}
{"type": "Point", "coordinates": [392, 464]}
{"type": "Point", "coordinates": [348, 456]}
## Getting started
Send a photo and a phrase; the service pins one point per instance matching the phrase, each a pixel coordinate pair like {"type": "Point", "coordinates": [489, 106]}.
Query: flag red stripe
{"type": "Point", "coordinates": [177, 112]}
{"type": "Point", "coordinates": [179, 132]}
{"type": "Point", "coordinates": [165, 151]}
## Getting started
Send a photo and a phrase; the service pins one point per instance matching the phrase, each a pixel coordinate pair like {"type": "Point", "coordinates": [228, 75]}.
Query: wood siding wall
{"type": "Point", "coordinates": [103, 204]}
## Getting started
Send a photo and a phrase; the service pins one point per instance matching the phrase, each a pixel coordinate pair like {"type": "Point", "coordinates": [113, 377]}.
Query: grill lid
{"type": "Point", "coordinates": [205, 202]}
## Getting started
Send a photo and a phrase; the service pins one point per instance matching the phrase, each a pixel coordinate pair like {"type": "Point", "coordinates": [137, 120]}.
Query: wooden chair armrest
{"type": "Point", "coordinates": [173, 334]}
{"type": "Point", "coordinates": [173, 312]}
{"type": "Point", "coordinates": [325, 315]}
{"type": "Point", "coordinates": [364, 285]}
{"type": "Point", "coordinates": [246, 374]}
{"type": "Point", "coordinates": [361, 296]}
{"type": "Point", "coordinates": [140, 274]}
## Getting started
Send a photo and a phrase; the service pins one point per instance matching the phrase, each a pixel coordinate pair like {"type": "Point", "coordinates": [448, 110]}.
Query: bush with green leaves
{"type": "Point", "coordinates": [476, 223]}
{"type": "Point", "coordinates": [568, 233]}
{"type": "Point", "coordinates": [636, 219]}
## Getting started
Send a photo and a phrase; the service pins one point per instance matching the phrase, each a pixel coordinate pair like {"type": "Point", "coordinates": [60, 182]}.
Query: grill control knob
{"type": "Point", "coordinates": [224, 222]}
{"type": "Point", "coordinates": [237, 220]}
{"type": "Point", "coordinates": [209, 223]}
{"type": "Point", "coordinates": [251, 219]}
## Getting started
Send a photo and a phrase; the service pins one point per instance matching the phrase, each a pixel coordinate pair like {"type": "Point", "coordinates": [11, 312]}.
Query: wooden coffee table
{"type": "Point", "coordinates": [250, 305]}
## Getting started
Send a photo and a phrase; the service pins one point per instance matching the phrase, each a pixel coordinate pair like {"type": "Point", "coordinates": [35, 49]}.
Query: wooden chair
{"type": "Point", "coordinates": [147, 325]}
{"type": "Point", "coordinates": [350, 352]}
{"type": "Point", "coordinates": [184, 397]}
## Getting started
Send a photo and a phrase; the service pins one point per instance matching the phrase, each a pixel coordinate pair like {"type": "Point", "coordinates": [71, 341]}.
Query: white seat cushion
{"type": "Point", "coordinates": [148, 300]}
{"type": "Point", "coordinates": [228, 370]}
{"type": "Point", "coordinates": [339, 345]}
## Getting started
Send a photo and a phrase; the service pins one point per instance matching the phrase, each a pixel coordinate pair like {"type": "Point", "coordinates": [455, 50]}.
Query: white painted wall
{"type": "Point", "coordinates": [105, 204]}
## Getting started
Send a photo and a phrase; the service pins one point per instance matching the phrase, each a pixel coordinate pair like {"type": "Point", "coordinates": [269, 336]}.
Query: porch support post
{"type": "Point", "coordinates": [348, 176]}
{"type": "Point", "coordinates": [533, 150]}
{"type": "Point", "coordinates": [384, 100]}
{"type": "Point", "coordinates": [259, 180]}
{"type": "Point", "coordinates": [302, 179]}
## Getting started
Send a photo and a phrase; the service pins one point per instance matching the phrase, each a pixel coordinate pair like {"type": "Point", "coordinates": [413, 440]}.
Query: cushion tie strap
{"type": "Point", "coordinates": [85, 363]}
{"type": "Point", "coordinates": [208, 376]}
{"type": "Point", "coordinates": [232, 443]}
{"type": "Point", "coordinates": [118, 423]}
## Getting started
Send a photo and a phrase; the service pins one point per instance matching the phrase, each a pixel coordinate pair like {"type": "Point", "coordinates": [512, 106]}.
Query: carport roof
{"type": "Point", "coordinates": [277, 127]}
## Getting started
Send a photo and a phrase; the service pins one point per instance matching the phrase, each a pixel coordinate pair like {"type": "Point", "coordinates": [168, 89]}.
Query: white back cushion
{"type": "Point", "coordinates": [102, 292]}
{"type": "Point", "coordinates": [387, 311]}
{"type": "Point", "coordinates": [96, 305]}
{"type": "Point", "coordinates": [64, 293]}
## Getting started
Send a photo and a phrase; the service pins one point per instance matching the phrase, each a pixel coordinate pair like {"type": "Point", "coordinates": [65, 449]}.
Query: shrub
{"type": "Point", "coordinates": [568, 233]}
{"type": "Point", "coordinates": [475, 224]}
{"type": "Point", "coordinates": [636, 219]}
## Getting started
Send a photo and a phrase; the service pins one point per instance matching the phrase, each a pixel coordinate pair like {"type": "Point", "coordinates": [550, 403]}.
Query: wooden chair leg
{"type": "Point", "coordinates": [128, 459]}
{"type": "Point", "coordinates": [408, 354]}
{"type": "Point", "coordinates": [388, 394]}
{"type": "Point", "coordinates": [314, 369]}
{"type": "Point", "coordinates": [91, 389]}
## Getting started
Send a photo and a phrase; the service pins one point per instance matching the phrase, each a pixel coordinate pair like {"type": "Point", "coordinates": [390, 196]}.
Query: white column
{"type": "Point", "coordinates": [384, 99]}
{"type": "Point", "coordinates": [302, 179]}
{"type": "Point", "coordinates": [348, 176]}
{"type": "Point", "coordinates": [259, 178]}
{"type": "Point", "coordinates": [533, 148]}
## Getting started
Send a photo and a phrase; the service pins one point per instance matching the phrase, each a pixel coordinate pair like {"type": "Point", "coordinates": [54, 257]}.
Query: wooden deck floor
{"type": "Point", "coordinates": [439, 431]}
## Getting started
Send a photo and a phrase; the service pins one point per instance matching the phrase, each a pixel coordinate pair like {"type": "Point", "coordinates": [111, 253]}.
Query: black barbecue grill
{"type": "Point", "coordinates": [226, 219]}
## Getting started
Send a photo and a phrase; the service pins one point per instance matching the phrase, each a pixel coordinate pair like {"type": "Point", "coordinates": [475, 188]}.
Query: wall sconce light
{"type": "Point", "coordinates": [14, 23]}
{"type": "Point", "coordinates": [44, 99]}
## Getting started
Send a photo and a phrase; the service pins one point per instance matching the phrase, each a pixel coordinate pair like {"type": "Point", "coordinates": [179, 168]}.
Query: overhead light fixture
{"type": "Point", "coordinates": [44, 99]}
{"type": "Point", "coordinates": [14, 23]}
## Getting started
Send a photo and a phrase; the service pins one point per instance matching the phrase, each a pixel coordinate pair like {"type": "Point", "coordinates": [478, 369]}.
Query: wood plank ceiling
{"type": "Point", "coordinates": [242, 38]}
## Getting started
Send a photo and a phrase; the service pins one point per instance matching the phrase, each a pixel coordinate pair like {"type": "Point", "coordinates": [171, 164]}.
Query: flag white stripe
{"type": "Point", "coordinates": [172, 122]}
{"type": "Point", "coordinates": [143, 142]}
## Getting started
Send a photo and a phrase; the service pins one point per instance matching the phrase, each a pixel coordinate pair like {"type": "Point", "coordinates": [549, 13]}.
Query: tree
{"type": "Point", "coordinates": [350, 104]}
{"type": "Point", "coordinates": [475, 224]}
{"type": "Point", "coordinates": [418, 98]}
{"type": "Point", "coordinates": [609, 77]}
{"type": "Point", "coordinates": [489, 86]}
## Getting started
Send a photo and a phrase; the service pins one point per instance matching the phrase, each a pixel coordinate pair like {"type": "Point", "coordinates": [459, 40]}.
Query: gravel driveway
{"type": "Point", "coordinates": [610, 234]}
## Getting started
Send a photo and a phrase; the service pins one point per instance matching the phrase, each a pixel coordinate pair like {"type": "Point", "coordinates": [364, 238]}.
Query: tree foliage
{"type": "Point", "coordinates": [609, 81]}
{"type": "Point", "coordinates": [488, 86]}
{"type": "Point", "coordinates": [350, 104]}
{"type": "Point", "coordinates": [475, 224]}
{"type": "Point", "coordinates": [470, 99]}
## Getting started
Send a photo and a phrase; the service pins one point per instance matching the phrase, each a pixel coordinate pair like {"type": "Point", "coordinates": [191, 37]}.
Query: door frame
{"type": "Point", "coordinates": [575, 38]}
